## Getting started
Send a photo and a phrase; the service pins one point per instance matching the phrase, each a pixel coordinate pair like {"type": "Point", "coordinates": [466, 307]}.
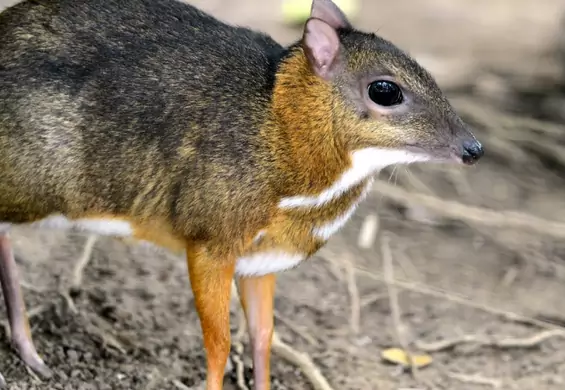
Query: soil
{"type": "Point", "coordinates": [464, 269]}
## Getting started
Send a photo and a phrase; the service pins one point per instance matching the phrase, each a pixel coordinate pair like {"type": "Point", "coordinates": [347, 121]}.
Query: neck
{"type": "Point", "coordinates": [309, 154]}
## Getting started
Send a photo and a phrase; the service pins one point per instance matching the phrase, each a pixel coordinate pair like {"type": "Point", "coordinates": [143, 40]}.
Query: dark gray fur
{"type": "Point", "coordinates": [98, 96]}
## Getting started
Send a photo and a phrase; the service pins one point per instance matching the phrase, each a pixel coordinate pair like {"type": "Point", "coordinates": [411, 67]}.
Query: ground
{"type": "Point", "coordinates": [465, 264]}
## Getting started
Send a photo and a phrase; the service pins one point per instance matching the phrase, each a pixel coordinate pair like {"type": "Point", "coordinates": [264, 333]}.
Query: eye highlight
{"type": "Point", "coordinates": [385, 93]}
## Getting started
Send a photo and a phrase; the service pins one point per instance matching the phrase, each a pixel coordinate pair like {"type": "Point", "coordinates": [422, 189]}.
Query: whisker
{"type": "Point", "coordinates": [391, 174]}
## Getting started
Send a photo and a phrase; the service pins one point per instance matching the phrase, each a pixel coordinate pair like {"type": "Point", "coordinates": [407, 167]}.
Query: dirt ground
{"type": "Point", "coordinates": [474, 257]}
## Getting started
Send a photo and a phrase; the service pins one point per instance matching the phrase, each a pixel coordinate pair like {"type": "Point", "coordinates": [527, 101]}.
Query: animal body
{"type": "Point", "coordinates": [153, 120]}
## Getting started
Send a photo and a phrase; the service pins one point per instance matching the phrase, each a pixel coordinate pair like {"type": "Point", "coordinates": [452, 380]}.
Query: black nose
{"type": "Point", "coordinates": [472, 152]}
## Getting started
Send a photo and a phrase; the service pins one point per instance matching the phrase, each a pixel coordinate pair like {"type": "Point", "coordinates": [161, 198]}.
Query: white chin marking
{"type": "Point", "coordinates": [103, 227]}
{"type": "Point", "coordinates": [364, 163]}
{"type": "Point", "coordinates": [263, 263]}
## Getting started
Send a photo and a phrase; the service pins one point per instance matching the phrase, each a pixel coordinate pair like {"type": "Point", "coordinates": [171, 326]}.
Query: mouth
{"type": "Point", "coordinates": [439, 154]}
{"type": "Point", "coordinates": [468, 153]}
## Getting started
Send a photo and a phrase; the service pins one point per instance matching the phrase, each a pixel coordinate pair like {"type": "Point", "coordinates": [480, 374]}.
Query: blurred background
{"type": "Point", "coordinates": [463, 267]}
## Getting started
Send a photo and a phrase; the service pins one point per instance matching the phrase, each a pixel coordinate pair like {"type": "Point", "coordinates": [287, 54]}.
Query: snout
{"type": "Point", "coordinates": [471, 151]}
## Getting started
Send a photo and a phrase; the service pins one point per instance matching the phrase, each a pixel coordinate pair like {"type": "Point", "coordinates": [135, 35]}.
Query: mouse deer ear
{"type": "Point", "coordinates": [321, 46]}
{"type": "Point", "coordinates": [330, 13]}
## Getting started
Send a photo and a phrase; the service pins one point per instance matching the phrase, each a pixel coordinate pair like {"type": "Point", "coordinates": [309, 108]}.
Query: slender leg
{"type": "Point", "coordinates": [257, 295]}
{"type": "Point", "coordinates": [211, 283]}
{"type": "Point", "coordinates": [17, 316]}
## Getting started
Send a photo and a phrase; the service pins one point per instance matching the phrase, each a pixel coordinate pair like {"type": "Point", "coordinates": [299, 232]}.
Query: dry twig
{"type": "Point", "coordinates": [464, 192]}
{"type": "Point", "coordinates": [33, 375]}
{"type": "Point", "coordinates": [505, 343]}
{"type": "Point", "coordinates": [471, 214]}
{"type": "Point", "coordinates": [475, 379]}
{"type": "Point", "coordinates": [82, 262]}
{"type": "Point", "coordinates": [31, 287]}
{"type": "Point", "coordinates": [496, 119]}
{"type": "Point", "coordinates": [102, 329]}
{"type": "Point", "coordinates": [64, 292]}
{"type": "Point", "coordinates": [302, 361]}
{"type": "Point", "coordinates": [388, 270]}
{"type": "Point", "coordinates": [335, 270]}
{"type": "Point", "coordinates": [355, 315]}
{"type": "Point", "coordinates": [372, 298]}
{"type": "Point", "coordinates": [239, 366]}
{"type": "Point", "coordinates": [511, 316]}
{"type": "Point", "coordinates": [296, 329]}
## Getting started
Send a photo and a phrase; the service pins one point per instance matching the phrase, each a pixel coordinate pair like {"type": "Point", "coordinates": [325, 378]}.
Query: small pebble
{"type": "Point", "coordinates": [72, 355]}
{"type": "Point", "coordinates": [363, 341]}
{"type": "Point", "coordinates": [554, 380]}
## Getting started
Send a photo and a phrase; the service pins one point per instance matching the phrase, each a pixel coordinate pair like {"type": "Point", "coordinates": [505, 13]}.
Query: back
{"type": "Point", "coordinates": [106, 95]}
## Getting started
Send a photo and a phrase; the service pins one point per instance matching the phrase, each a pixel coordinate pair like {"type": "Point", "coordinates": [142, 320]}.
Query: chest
{"type": "Point", "coordinates": [300, 229]}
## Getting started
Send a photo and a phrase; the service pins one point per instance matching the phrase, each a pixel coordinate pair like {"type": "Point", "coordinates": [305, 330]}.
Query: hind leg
{"type": "Point", "coordinates": [257, 294]}
{"type": "Point", "coordinates": [17, 316]}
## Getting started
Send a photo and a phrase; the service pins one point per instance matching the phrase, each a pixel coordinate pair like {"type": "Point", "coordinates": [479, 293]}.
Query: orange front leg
{"type": "Point", "coordinates": [257, 296]}
{"type": "Point", "coordinates": [211, 283]}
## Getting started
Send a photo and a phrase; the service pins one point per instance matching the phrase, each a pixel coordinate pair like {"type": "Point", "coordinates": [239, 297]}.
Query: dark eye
{"type": "Point", "coordinates": [385, 93]}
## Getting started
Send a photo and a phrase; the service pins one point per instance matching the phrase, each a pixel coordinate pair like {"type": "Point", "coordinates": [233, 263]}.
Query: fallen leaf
{"type": "Point", "coordinates": [400, 357]}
